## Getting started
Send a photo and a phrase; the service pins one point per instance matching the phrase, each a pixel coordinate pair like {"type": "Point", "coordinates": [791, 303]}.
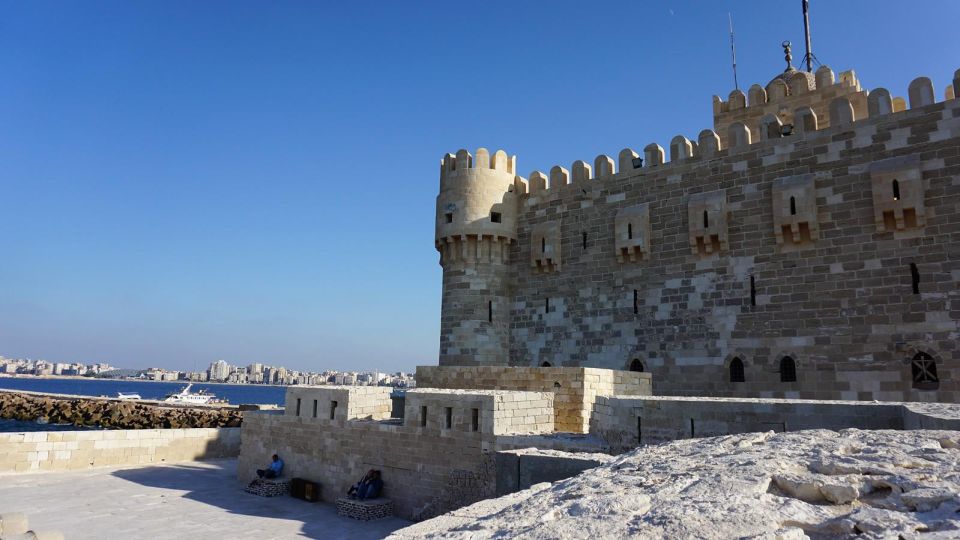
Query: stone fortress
{"type": "Point", "coordinates": [808, 246]}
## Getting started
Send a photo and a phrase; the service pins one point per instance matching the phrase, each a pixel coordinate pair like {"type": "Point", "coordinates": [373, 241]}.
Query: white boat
{"type": "Point", "coordinates": [121, 395]}
{"type": "Point", "coordinates": [187, 397]}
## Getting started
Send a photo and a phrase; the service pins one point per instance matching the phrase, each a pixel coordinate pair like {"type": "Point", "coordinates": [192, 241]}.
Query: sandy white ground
{"type": "Point", "coordinates": [818, 483]}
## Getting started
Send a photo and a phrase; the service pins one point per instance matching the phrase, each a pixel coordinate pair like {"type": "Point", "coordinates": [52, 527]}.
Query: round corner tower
{"type": "Point", "coordinates": [476, 223]}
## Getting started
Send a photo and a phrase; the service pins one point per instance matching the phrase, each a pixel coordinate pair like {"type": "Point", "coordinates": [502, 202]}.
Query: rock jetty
{"type": "Point", "coordinates": [804, 484]}
{"type": "Point", "coordinates": [111, 414]}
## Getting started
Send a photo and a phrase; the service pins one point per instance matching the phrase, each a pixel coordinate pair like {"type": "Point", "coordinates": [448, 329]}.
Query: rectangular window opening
{"type": "Point", "coordinates": [636, 302]}
{"type": "Point", "coordinates": [546, 307]}
{"type": "Point", "coordinates": [915, 278]}
{"type": "Point", "coordinates": [753, 291]}
{"type": "Point", "coordinates": [314, 408]}
{"type": "Point", "coordinates": [495, 217]}
{"type": "Point", "coordinates": [584, 240]}
{"type": "Point", "coordinates": [298, 406]}
{"type": "Point", "coordinates": [449, 217]}
{"type": "Point", "coordinates": [693, 432]}
{"type": "Point", "coordinates": [448, 417]}
{"type": "Point", "coordinates": [423, 416]}
{"type": "Point", "coordinates": [639, 430]}
{"type": "Point", "coordinates": [333, 410]}
{"type": "Point", "coordinates": [489, 310]}
{"type": "Point", "coordinates": [474, 419]}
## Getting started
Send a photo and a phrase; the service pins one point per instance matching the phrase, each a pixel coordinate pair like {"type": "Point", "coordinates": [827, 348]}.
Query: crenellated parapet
{"type": "Point", "coordinates": [477, 206]}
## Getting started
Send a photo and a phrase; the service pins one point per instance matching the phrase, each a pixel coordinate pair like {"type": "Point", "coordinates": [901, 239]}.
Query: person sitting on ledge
{"type": "Point", "coordinates": [368, 488]}
{"type": "Point", "coordinates": [273, 470]}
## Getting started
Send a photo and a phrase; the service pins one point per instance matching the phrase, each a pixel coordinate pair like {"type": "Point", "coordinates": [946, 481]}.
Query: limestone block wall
{"type": "Point", "coordinates": [339, 402]}
{"type": "Point", "coordinates": [626, 422]}
{"type": "Point", "coordinates": [573, 389]}
{"type": "Point", "coordinates": [430, 464]}
{"type": "Point", "coordinates": [849, 310]}
{"type": "Point", "coordinates": [71, 450]}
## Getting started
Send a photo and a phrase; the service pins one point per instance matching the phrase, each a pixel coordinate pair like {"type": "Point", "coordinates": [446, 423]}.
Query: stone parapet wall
{"type": "Point", "coordinates": [489, 412]}
{"type": "Point", "coordinates": [339, 402]}
{"type": "Point", "coordinates": [574, 388]}
{"type": "Point", "coordinates": [626, 422]}
{"type": "Point", "coordinates": [72, 450]}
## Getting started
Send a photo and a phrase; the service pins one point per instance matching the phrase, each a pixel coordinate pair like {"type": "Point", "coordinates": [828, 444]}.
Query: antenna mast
{"type": "Point", "coordinates": [806, 31]}
{"type": "Point", "coordinates": [733, 50]}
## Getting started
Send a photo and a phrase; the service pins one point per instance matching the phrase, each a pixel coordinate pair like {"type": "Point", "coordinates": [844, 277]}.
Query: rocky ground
{"type": "Point", "coordinates": [816, 484]}
{"type": "Point", "coordinates": [111, 414]}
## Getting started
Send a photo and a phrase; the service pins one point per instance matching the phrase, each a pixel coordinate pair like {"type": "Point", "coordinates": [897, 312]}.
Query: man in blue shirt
{"type": "Point", "coordinates": [273, 470]}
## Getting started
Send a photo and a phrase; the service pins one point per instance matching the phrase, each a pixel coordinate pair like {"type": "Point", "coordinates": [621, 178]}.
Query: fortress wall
{"type": "Point", "coordinates": [574, 389]}
{"type": "Point", "coordinates": [339, 402]}
{"type": "Point", "coordinates": [71, 450]}
{"type": "Point", "coordinates": [427, 468]}
{"type": "Point", "coordinates": [840, 305]}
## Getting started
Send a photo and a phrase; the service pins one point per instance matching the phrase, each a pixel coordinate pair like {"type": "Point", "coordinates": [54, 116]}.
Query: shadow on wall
{"type": "Point", "coordinates": [217, 486]}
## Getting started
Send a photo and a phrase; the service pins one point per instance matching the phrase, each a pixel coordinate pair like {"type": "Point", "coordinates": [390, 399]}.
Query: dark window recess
{"type": "Point", "coordinates": [636, 302]}
{"type": "Point", "coordinates": [423, 416]}
{"type": "Point", "coordinates": [545, 364]}
{"type": "Point", "coordinates": [788, 370]}
{"type": "Point", "coordinates": [793, 206]}
{"type": "Point", "coordinates": [489, 310]}
{"type": "Point", "coordinates": [543, 245]}
{"type": "Point", "coordinates": [915, 278]}
{"type": "Point", "coordinates": [449, 217]}
{"type": "Point", "coordinates": [736, 371]}
{"type": "Point", "coordinates": [693, 431]}
{"type": "Point", "coordinates": [639, 430]}
{"type": "Point", "coordinates": [636, 365]}
{"type": "Point", "coordinates": [333, 409]}
{"type": "Point", "coordinates": [474, 419]}
{"type": "Point", "coordinates": [896, 189]}
{"type": "Point", "coordinates": [448, 417]}
{"type": "Point", "coordinates": [924, 371]}
{"type": "Point", "coordinates": [495, 217]}
{"type": "Point", "coordinates": [314, 408]}
{"type": "Point", "coordinates": [753, 291]}
{"type": "Point", "coordinates": [629, 231]}
{"type": "Point", "coordinates": [546, 305]}
{"type": "Point", "coordinates": [706, 220]}
{"type": "Point", "coordinates": [298, 406]}
{"type": "Point", "coordinates": [584, 240]}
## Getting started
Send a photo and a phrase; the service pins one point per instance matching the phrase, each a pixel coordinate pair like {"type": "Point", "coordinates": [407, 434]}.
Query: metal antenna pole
{"type": "Point", "coordinates": [806, 31]}
{"type": "Point", "coordinates": [733, 53]}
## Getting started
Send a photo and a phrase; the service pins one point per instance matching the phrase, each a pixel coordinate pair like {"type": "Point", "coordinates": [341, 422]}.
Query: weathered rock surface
{"type": "Point", "coordinates": [111, 414]}
{"type": "Point", "coordinates": [816, 484]}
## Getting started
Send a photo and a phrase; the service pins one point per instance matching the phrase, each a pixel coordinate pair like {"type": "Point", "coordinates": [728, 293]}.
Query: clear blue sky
{"type": "Point", "coordinates": [255, 181]}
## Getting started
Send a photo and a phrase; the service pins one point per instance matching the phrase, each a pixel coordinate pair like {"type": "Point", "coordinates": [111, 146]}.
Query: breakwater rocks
{"type": "Point", "coordinates": [111, 414]}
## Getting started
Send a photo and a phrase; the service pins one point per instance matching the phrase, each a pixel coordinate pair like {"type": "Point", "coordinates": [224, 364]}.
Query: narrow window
{"type": "Point", "coordinates": [793, 206]}
{"type": "Point", "coordinates": [489, 310]}
{"type": "Point", "coordinates": [636, 302]}
{"type": "Point", "coordinates": [639, 430]}
{"type": "Point", "coordinates": [706, 220]}
{"type": "Point", "coordinates": [636, 365]}
{"type": "Point", "coordinates": [736, 371]}
{"type": "Point", "coordinates": [924, 371]}
{"type": "Point", "coordinates": [543, 245]}
{"type": "Point", "coordinates": [495, 217]}
{"type": "Point", "coordinates": [693, 431]}
{"type": "Point", "coordinates": [314, 408]}
{"type": "Point", "coordinates": [423, 416]}
{"type": "Point", "coordinates": [788, 370]}
{"type": "Point", "coordinates": [333, 410]}
{"type": "Point", "coordinates": [449, 216]}
{"type": "Point", "coordinates": [629, 231]}
{"type": "Point", "coordinates": [584, 240]}
{"type": "Point", "coordinates": [753, 291]}
{"type": "Point", "coordinates": [545, 364]}
{"type": "Point", "coordinates": [546, 306]}
{"type": "Point", "coordinates": [298, 406]}
{"type": "Point", "coordinates": [448, 417]}
{"type": "Point", "coordinates": [915, 278]}
{"type": "Point", "coordinates": [896, 190]}
{"type": "Point", "coordinates": [474, 419]}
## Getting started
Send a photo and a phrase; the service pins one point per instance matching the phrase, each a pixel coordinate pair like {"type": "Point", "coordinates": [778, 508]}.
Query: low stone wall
{"type": "Point", "coordinates": [520, 469]}
{"type": "Point", "coordinates": [625, 422]}
{"type": "Point", "coordinates": [575, 388]}
{"type": "Point", "coordinates": [112, 413]}
{"type": "Point", "coordinates": [71, 450]}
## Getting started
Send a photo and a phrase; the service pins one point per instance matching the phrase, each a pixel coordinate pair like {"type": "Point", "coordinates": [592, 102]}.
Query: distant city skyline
{"type": "Point", "coordinates": [185, 182]}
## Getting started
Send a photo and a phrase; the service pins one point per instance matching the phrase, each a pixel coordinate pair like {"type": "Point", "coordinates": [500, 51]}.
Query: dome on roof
{"type": "Point", "coordinates": [790, 73]}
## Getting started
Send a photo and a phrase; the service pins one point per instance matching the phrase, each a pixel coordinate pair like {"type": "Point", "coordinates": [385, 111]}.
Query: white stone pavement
{"type": "Point", "coordinates": [194, 500]}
